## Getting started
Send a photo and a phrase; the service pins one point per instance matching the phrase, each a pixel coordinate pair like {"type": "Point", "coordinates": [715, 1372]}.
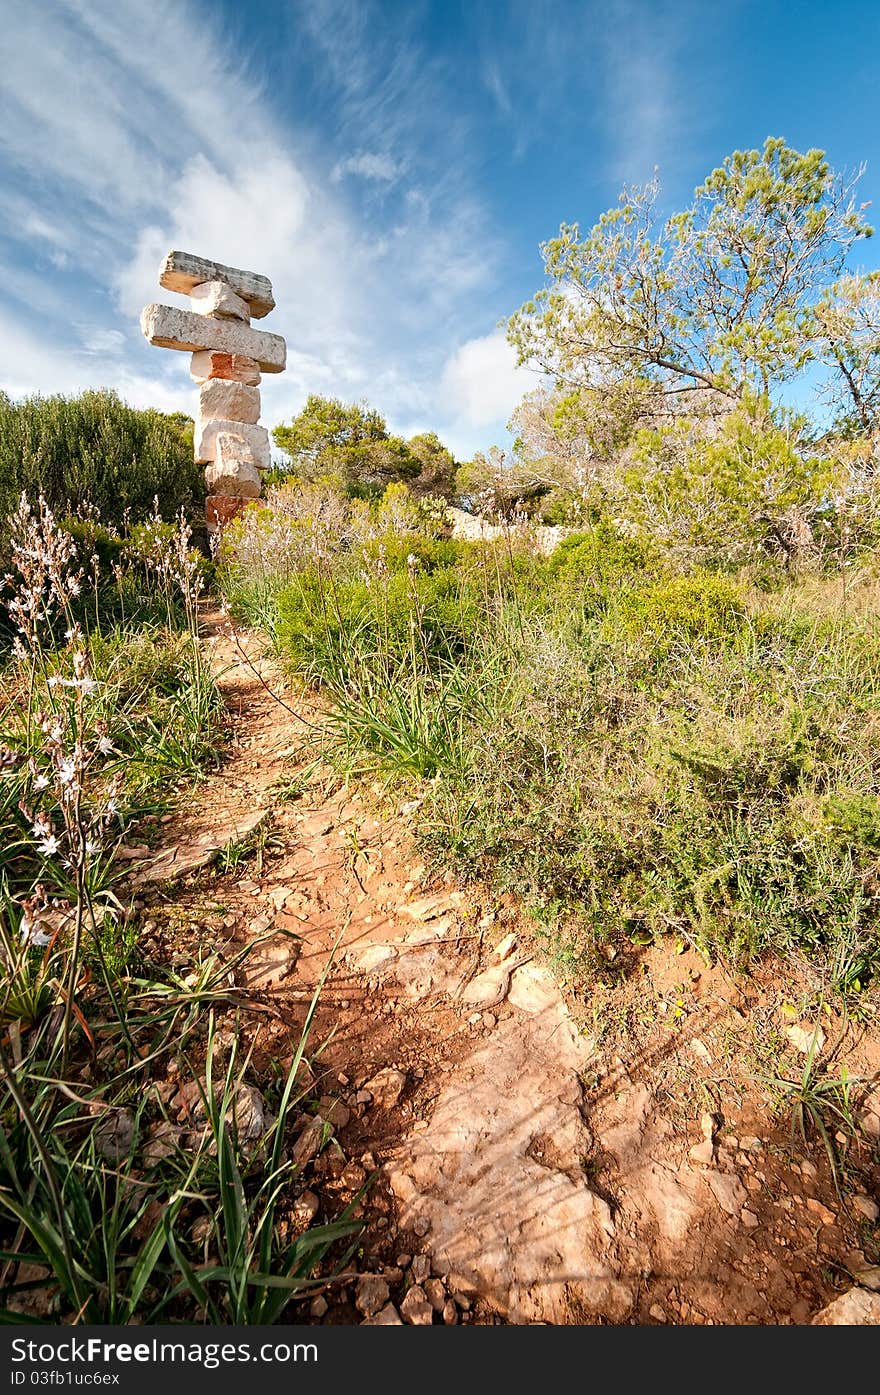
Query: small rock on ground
{"type": "Point", "coordinates": [858, 1308]}
{"type": "Point", "coordinates": [416, 1307]}
{"type": "Point", "coordinates": [371, 1294]}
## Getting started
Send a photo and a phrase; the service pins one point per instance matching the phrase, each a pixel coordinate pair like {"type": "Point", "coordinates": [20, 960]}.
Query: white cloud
{"type": "Point", "coordinates": [96, 340]}
{"type": "Point", "coordinates": [481, 383]}
{"type": "Point", "coordinates": [381, 168]}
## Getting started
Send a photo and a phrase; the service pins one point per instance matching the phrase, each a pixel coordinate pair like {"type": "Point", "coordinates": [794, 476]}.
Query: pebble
{"type": "Point", "coordinates": [422, 1226]}
{"type": "Point", "coordinates": [371, 1294]}
{"type": "Point", "coordinates": [416, 1308]}
{"type": "Point", "coordinates": [436, 1294]}
{"type": "Point", "coordinates": [385, 1087]}
{"type": "Point", "coordinates": [489, 1020]}
{"type": "Point", "coordinates": [388, 1317]}
{"type": "Point", "coordinates": [450, 1313]}
{"type": "Point", "coordinates": [305, 1208]}
{"type": "Point", "coordinates": [353, 1176]}
{"type": "Point", "coordinates": [866, 1207]}
{"type": "Point", "coordinates": [657, 1313]}
{"type": "Point", "coordinates": [806, 1039]}
{"type": "Point", "coordinates": [826, 1216]}
{"type": "Point", "coordinates": [403, 1261]}
{"type": "Point", "coordinates": [748, 1218]}
{"type": "Point", "coordinates": [421, 1267]}
{"type": "Point", "coordinates": [702, 1153]}
{"type": "Point", "coordinates": [809, 1169]}
{"type": "Point", "coordinates": [318, 1307]}
{"type": "Point", "coordinates": [309, 1141]}
{"type": "Point", "coordinates": [363, 1097]}
{"type": "Point", "coordinates": [335, 1112]}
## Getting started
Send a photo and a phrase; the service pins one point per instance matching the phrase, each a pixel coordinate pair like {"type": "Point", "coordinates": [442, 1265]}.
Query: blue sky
{"type": "Point", "coordinates": [391, 166]}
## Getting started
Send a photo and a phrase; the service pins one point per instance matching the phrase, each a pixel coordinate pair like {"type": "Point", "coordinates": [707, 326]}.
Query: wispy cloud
{"type": "Point", "coordinates": [367, 165]}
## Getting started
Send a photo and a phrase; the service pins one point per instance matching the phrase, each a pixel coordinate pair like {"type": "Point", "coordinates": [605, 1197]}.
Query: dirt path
{"type": "Point", "coordinates": [539, 1159]}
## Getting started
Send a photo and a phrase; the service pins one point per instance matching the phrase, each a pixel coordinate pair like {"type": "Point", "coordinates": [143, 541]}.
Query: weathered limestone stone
{"type": "Point", "coordinates": [220, 509]}
{"type": "Point", "coordinates": [251, 442]}
{"type": "Point", "coordinates": [214, 298]}
{"type": "Point", "coordinates": [235, 478]}
{"type": "Point", "coordinates": [237, 368]}
{"type": "Point", "coordinates": [237, 447]}
{"type": "Point", "coordinates": [171, 328]}
{"type": "Point", "coordinates": [229, 401]}
{"type": "Point", "coordinates": [180, 271]}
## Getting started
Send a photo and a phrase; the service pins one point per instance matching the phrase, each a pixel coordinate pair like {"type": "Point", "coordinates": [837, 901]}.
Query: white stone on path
{"type": "Point", "coordinates": [215, 298]}
{"type": "Point", "coordinates": [225, 400]}
{"type": "Point", "coordinates": [171, 328]}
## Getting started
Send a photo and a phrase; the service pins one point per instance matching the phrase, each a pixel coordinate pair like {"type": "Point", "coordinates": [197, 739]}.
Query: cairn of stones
{"type": "Point", "coordinates": [228, 358]}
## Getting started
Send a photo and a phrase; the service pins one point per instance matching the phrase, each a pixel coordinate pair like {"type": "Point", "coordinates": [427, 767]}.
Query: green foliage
{"type": "Point", "coordinates": [437, 473]}
{"type": "Point", "coordinates": [629, 744]}
{"type": "Point", "coordinates": [349, 445]}
{"type": "Point", "coordinates": [95, 450]}
{"type": "Point", "coordinates": [719, 298]}
{"type": "Point", "coordinates": [732, 490]}
{"type": "Point", "coordinates": [683, 609]}
{"type": "Point", "coordinates": [603, 559]}
{"type": "Point", "coordinates": [326, 625]}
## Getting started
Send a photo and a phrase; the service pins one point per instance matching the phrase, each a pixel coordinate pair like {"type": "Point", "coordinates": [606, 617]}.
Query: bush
{"type": "Point", "coordinates": [96, 450]}
{"type": "Point", "coordinates": [699, 607]}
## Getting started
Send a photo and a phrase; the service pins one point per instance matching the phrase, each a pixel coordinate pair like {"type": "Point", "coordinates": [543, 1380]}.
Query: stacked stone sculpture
{"type": "Point", "coordinates": [228, 357]}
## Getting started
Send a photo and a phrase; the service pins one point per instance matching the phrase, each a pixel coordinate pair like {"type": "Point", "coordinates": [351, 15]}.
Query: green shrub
{"type": "Point", "coordinates": [328, 624]}
{"type": "Point", "coordinates": [96, 450]}
{"type": "Point", "coordinates": [700, 606]}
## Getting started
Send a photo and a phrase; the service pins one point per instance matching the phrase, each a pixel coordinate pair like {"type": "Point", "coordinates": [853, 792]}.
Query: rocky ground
{"type": "Point", "coordinates": [533, 1154]}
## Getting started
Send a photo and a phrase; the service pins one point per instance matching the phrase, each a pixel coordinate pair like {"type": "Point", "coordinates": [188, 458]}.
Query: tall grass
{"type": "Point", "coordinates": [634, 746]}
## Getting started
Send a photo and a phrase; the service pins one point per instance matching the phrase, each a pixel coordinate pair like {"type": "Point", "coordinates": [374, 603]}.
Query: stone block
{"type": "Point", "coordinates": [237, 479]}
{"type": "Point", "coordinates": [180, 271]}
{"type": "Point", "coordinates": [250, 443]}
{"type": "Point", "coordinates": [243, 446]}
{"type": "Point", "coordinates": [208, 364]}
{"type": "Point", "coordinates": [220, 509]}
{"type": "Point", "coordinates": [171, 328]}
{"type": "Point", "coordinates": [213, 298]}
{"type": "Point", "coordinates": [229, 401]}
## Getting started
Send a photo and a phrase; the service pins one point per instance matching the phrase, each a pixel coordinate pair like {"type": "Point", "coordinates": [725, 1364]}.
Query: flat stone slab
{"type": "Point", "coordinates": [190, 854]}
{"type": "Point", "coordinates": [180, 271]}
{"type": "Point", "coordinates": [171, 328]}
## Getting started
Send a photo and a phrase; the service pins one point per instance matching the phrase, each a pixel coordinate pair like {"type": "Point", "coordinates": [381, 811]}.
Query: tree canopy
{"type": "Point", "coordinates": [721, 297]}
{"type": "Point", "coordinates": [349, 445]}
